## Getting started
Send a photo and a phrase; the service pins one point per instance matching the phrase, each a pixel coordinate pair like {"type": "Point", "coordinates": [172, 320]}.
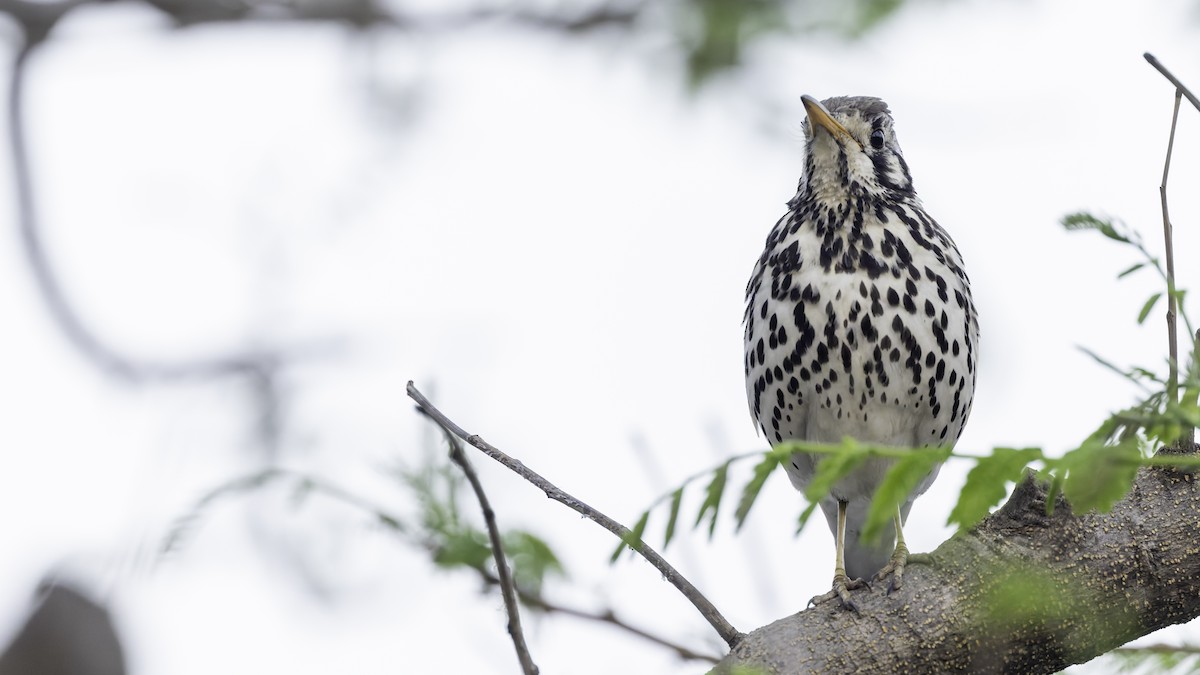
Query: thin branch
{"type": "Point", "coordinates": [1169, 245]}
{"type": "Point", "coordinates": [1189, 435]}
{"type": "Point", "coordinates": [508, 589]}
{"type": "Point", "coordinates": [1173, 80]}
{"type": "Point", "coordinates": [607, 616]}
{"type": "Point", "coordinates": [728, 633]}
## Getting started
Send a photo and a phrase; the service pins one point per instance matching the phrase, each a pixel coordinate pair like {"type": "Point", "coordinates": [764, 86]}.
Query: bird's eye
{"type": "Point", "coordinates": [877, 139]}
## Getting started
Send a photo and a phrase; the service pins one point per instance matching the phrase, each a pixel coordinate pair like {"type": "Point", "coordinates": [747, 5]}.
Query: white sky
{"type": "Point", "coordinates": [556, 251]}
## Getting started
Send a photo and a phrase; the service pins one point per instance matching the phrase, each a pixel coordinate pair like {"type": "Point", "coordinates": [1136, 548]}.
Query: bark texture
{"type": "Point", "coordinates": [1024, 592]}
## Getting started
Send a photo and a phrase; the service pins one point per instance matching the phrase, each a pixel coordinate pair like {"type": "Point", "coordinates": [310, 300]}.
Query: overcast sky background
{"type": "Point", "coordinates": [552, 240]}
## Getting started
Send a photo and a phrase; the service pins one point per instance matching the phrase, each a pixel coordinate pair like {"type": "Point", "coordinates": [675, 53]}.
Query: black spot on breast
{"type": "Point", "coordinates": [868, 329]}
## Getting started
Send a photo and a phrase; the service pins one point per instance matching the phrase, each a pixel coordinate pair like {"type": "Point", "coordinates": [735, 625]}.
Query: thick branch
{"type": "Point", "coordinates": [727, 632]}
{"type": "Point", "coordinates": [1025, 592]}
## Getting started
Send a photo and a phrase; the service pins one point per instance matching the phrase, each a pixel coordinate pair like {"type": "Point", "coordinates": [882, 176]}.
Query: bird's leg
{"type": "Point", "coordinates": [842, 584]}
{"type": "Point", "coordinates": [895, 566]}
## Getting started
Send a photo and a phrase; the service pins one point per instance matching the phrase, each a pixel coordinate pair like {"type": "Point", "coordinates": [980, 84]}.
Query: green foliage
{"type": "Point", "coordinates": [899, 482]}
{"type": "Point", "coordinates": [712, 498]}
{"type": "Point", "coordinates": [533, 561]}
{"type": "Point", "coordinates": [987, 483]}
{"type": "Point", "coordinates": [633, 538]}
{"type": "Point", "coordinates": [762, 471]}
{"type": "Point", "coordinates": [1098, 474]}
{"type": "Point", "coordinates": [715, 35]}
{"type": "Point", "coordinates": [462, 547]}
{"type": "Point", "coordinates": [1025, 595]}
{"type": "Point", "coordinates": [676, 502]}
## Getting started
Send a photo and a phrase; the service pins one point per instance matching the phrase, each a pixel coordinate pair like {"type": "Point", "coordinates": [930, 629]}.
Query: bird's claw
{"type": "Point", "coordinates": [842, 585]}
{"type": "Point", "coordinates": [895, 569]}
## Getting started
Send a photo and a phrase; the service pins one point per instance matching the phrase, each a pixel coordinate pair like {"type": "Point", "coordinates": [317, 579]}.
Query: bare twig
{"type": "Point", "coordinates": [607, 616]}
{"type": "Point", "coordinates": [1188, 437]}
{"type": "Point", "coordinates": [1187, 93]}
{"type": "Point", "coordinates": [728, 633]}
{"type": "Point", "coordinates": [508, 589]}
{"type": "Point", "coordinates": [1168, 238]}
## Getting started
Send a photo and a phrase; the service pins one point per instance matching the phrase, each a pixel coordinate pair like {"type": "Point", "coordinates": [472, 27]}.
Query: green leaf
{"type": "Point", "coordinates": [762, 471]}
{"type": "Point", "coordinates": [712, 498]}
{"type": "Point", "coordinates": [987, 483]}
{"type": "Point", "coordinates": [1147, 307]}
{"type": "Point", "coordinates": [676, 500]}
{"type": "Point", "coordinates": [390, 522]}
{"type": "Point", "coordinates": [633, 538]}
{"type": "Point", "coordinates": [897, 484]}
{"type": "Point", "coordinates": [1100, 474]}
{"type": "Point", "coordinates": [532, 560]}
{"type": "Point", "coordinates": [805, 515]}
{"type": "Point", "coordinates": [1086, 221]}
{"type": "Point", "coordinates": [834, 467]}
{"type": "Point", "coordinates": [466, 548]}
{"type": "Point", "coordinates": [1131, 270]}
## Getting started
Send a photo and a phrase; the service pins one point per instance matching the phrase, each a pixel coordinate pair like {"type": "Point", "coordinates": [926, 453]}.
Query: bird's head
{"type": "Point", "coordinates": [851, 150]}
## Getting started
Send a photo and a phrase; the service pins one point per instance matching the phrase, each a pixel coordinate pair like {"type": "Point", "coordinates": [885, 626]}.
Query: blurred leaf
{"type": "Point", "coordinates": [897, 484]}
{"type": "Point", "coordinates": [1056, 475]}
{"type": "Point", "coordinates": [1023, 594]}
{"type": "Point", "coordinates": [1086, 221]}
{"type": "Point", "coordinates": [633, 539]}
{"type": "Point", "coordinates": [714, 33]}
{"type": "Point", "coordinates": [1099, 474]}
{"type": "Point", "coordinates": [762, 471]}
{"type": "Point", "coordinates": [390, 522]}
{"type": "Point", "coordinates": [805, 515]}
{"type": "Point", "coordinates": [871, 13]}
{"type": "Point", "coordinates": [834, 467]}
{"type": "Point", "coordinates": [467, 548]}
{"type": "Point", "coordinates": [712, 498]}
{"type": "Point", "coordinates": [1146, 308]}
{"type": "Point", "coordinates": [676, 500]}
{"type": "Point", "coordinates": [1131, 270]}
{"type": "Point", "coordinates": [987, 483]}
{"type": "Point", "coordinates": [532, 560]}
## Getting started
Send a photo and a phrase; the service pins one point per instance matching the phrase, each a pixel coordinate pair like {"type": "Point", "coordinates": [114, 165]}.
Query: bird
{"type": "Point", "coordinates": [859, 323]}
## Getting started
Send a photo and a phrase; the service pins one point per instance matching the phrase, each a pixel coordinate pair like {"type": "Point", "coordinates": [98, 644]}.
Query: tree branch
{"type": "Point", "coordinates": [1173, 80]}
{"type": "Point", "coordinates": [607, 616]}
{"type": "Point", "coordinates": [727, 632]}
{"type": "Point", "coordinates": [1024, 592]}
{"type": "Point", "coordinates": [508, 589]}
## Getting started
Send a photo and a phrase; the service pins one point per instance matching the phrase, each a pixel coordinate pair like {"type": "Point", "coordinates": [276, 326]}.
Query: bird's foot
{"type": "Point", "coordinates": [842, 585]}
{"type": "Point", "coordinates": [894, 568]}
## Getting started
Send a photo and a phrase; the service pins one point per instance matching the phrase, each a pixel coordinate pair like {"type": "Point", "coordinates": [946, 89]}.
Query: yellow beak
{"type": "Point", "coordinates": [819, 116]}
